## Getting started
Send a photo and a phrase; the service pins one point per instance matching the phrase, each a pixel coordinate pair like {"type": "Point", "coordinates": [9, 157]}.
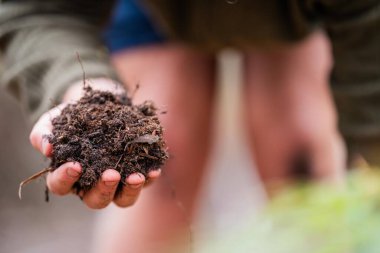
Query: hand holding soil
{"type": "Point", "coordinates": [102, 147]}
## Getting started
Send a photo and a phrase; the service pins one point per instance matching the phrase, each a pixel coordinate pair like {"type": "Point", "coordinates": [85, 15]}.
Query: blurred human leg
{"type": "Point", "coordinates": [181, 82]}
{"type": "Point", "coordinates": [290, 114]}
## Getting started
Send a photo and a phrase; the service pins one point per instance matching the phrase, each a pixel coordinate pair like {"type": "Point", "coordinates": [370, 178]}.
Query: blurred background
{"type": "Point", "coordinates": [32, 225]}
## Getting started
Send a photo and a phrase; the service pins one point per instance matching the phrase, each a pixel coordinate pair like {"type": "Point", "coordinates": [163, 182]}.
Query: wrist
{"type": "Point", "coordinates": [75, 91]}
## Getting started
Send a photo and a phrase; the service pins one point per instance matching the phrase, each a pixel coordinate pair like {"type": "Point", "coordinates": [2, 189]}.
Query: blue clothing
{"type": "Point", "coordinates": [130, 26]}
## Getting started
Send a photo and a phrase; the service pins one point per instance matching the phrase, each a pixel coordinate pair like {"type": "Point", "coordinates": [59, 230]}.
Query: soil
{"type": "Point", "coordinates": [103, 131]}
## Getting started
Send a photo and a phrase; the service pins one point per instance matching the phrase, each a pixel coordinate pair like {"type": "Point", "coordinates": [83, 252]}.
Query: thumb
{"type": "Point", "coordinates": [42, 129]}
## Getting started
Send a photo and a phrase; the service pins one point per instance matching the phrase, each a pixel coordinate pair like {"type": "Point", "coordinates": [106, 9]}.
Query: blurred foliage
{"type": "Point", "coordinates": [314, 219]}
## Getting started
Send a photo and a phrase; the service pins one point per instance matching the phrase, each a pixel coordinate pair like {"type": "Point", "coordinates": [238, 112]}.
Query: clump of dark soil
{"type": "Point", "coordinates": [103, 131]}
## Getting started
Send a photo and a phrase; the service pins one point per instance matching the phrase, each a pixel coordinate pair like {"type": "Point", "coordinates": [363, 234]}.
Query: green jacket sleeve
{"type": "Point", "coordinates": [354, 29]}
{"type": "Point", "coordinates": [39, 41]}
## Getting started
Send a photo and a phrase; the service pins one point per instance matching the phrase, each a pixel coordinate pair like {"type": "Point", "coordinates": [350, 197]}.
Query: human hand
{"type": "Point", "coordinates": [61, 180]}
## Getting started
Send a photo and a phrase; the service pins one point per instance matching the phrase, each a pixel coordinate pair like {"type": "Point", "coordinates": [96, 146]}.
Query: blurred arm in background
{"type": "Point", "coordinates": [292, 111]}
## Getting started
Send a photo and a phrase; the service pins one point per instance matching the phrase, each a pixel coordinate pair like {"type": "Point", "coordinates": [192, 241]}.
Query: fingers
{"type": "Point", "coordinates": [43, 128]}
{"type": "Point", "coordinates": [152, 176]}
{"type": "Point", "coordinates": [130, 192]}
{"type": "Point", "coordinates": [103, 193]}
{"type": "Point", "coordinates": [62, 179]}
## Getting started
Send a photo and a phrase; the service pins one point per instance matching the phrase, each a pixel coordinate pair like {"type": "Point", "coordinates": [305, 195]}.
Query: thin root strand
{"type": "Point", "coordinates": [31, 178]}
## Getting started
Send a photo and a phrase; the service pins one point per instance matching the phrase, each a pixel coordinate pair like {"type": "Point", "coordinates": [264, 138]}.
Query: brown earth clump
{"type": "Point", "coordinates": [102, 131]}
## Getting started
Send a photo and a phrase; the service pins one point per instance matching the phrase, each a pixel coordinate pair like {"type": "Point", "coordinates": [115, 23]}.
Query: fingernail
{"type": "Point", "coordinates": [135, 178]}
{"type": "Point", "coordinates": [135, 186]}
{"type": "Point", "coordinates": [155, 173]}
{"type": "Point", "coordinates": [72, 172]}
{"type": "Point", "coordinates": [110, 183]}
{"type": "Point", "coordinates": [45, 144]}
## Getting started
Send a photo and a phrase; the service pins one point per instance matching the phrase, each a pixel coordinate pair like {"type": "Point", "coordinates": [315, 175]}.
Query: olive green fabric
{"type": "Point", "coordinates": [354, 30]}
{"type": "Point", "coordinates": [215, 24]}
{"type": "Point", "coordinates": [39, 39]}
